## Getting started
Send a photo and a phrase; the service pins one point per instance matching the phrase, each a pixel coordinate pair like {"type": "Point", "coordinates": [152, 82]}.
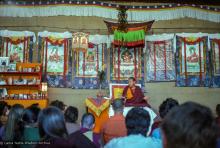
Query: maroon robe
{"type": "Point", "coordinates": [137, 99]}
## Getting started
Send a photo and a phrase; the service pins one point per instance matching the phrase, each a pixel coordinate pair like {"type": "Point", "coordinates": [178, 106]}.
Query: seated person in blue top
{"type": "Point", "coordinates": [137, 123]}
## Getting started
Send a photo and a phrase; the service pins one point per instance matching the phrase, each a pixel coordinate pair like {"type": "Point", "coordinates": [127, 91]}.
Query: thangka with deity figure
{"type": "Point", "coordinates": [54, 51]}
{"type": "Point", "coordinates": [125, 63]}
{"type": "Point", "coordinates": [192, 60]}
{"type": "Point", "coordinates": [87, 64]}
{"type": "Point", "coordinates": [17, 45]}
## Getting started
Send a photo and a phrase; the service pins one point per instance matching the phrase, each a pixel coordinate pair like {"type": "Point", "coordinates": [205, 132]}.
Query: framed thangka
{"type": "Point", "coordinates": [55, 59]}
{"type": "Point", "coordinates": [17, 46]}
{"type": "Point", "coordinates": [215, 61]}
{"type": "Point", "coordinates": [125, 63]}
{"type": "Point", "coordinates": [54, 54]}
{"type": "Point", "coordinates": [88, 63]}
{"type": "Point", "coordinates": [160, 61]}
{"type": "Point", "coordinates": [192, 61]}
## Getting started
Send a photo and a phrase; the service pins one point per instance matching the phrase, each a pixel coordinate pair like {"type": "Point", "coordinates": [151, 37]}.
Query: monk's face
{"type": "Point", "coordinates": [131, 82]}
{"type": "Point", "coordinates": [100, 94]}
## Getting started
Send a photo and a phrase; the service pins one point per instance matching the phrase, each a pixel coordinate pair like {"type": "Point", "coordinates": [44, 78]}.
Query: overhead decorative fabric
{"type": "Point", "coordinates": [160, 60]}
{"type": "Point", "coordinates": [108, 10]}
{"type": "Point", "coordinates": [54, 51]}
{"type": "Point", "coordinates": [16, 45]}
{"type": "Point", "coordinates": [87, 64]}
{"type": "Point", "coordinates": [192, 60]}
{"type": "Point", "coordinates": [133, 38]}
{"type": "Point", "coordinates": [215, 59]}
{"type": "Point", "coordinates": [125, 63]}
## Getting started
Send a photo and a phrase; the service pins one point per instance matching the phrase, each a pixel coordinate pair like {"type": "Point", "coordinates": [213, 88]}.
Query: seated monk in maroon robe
{"type": "Point", "coordinates": [134, 95]}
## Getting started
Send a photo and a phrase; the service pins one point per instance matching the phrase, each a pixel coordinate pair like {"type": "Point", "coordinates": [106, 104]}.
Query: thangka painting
{"type": "Point", "coordinates": [160, 61]}
{"type": "Point", "coordinates": [215, 64]}
{"type": "Point", "coordinates": [55, 59]}
{"type": "Point", "coordinates": [192, 61]}
{"type": "Point", "coordinates": [87, 65]}
{"type": "Point", "coordinates": [54, 54]}
{"type": "Point", "coordinates": [125, 63]}
{"type": "Point", "coordinates": [18, 49]}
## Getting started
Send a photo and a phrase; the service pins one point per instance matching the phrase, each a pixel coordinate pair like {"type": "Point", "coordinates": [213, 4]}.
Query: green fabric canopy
{"type": "Point", "coordinates": [130, 38]}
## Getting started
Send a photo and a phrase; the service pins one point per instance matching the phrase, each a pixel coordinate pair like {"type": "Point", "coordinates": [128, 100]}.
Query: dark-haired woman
{"type": "Point", "coordinates": [71, 116]}
{"type": "Point", "coordinates": [54, 134]}
{"type": "Point", "coordinates": [52, 128]}
{"type": "Point", "coordinates": [13, 129]}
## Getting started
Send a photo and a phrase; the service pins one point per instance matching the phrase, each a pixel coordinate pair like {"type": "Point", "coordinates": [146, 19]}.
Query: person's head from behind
{"type": "Point", "coordinates": [3, 105]}
{"type": "Point", "coordinates": [131, 81]}
{"type": "Point", "coordinates": [166, 106]}
{"type": "Point", "coordinates": [71, 114]}
{"type": "Point", "coordinates": [137, 121]}
{"type": "Point", "coordinates": [58, 104]}
{"type": "Point", "coordinates": [218, 110]}
{"type": "Point", "coordinates": [189, 125]}
{"type": "Point", "coordinates": [35, 109]}
{"type": "Point", "coordinates": [51, 123]}
{"type": "Point", "coordinates": [28, 117]}
{"type": "Point", "coordinates": [14, 125]}
{"type": "Point", "coordinates": [118, 105]}
{"type": "Point", "coordinates": [88, 121]}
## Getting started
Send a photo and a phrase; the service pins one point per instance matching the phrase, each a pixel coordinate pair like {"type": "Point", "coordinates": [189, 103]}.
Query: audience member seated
{"type": "Point", "coordinates": [137, 123]}
{"type": "Point", "coordinates": [35, 109]}
{"type": "Point", "coordinates": [115, 125]}
{"type": "Point", "coordinates": [87, 124]}
{"type": "Point", "coordinates": [134, 95]}
{"type": "Point", "coordinates": [12, 131]}
{"type": "Point", "coordinates": [52, 128]}
{"type": "Point", "coordinates": [53, 131]}
{"type": "Point", "coordinates": [71, 117]}
{"type": "Point", "coordinates": [31, 131]}
{"type": "Point", "coordinates": [164, 108]}
{"type": "Point", "coordinates": [189, 125]}
{"type": "Point", "coordinates": [4, 111]}
{"type": "Point", "coordinates": [58, 104]}
{"type": "Point", "coordinates": [218, 114]}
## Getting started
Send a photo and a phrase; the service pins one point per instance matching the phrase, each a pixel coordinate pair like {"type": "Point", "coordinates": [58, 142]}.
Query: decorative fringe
{"type": "Point", "coordinates": [158, 13]}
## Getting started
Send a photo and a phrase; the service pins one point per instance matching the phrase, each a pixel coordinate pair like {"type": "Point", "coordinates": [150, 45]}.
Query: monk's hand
{"type": "Point", "coordinates": [146, 98]}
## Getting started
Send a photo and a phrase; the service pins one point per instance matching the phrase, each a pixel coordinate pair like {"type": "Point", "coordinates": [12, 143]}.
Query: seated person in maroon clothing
{"type": "Point", "coordinates": [87, 124]}
{"type": "Point", "coordinates": [134, 95]}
